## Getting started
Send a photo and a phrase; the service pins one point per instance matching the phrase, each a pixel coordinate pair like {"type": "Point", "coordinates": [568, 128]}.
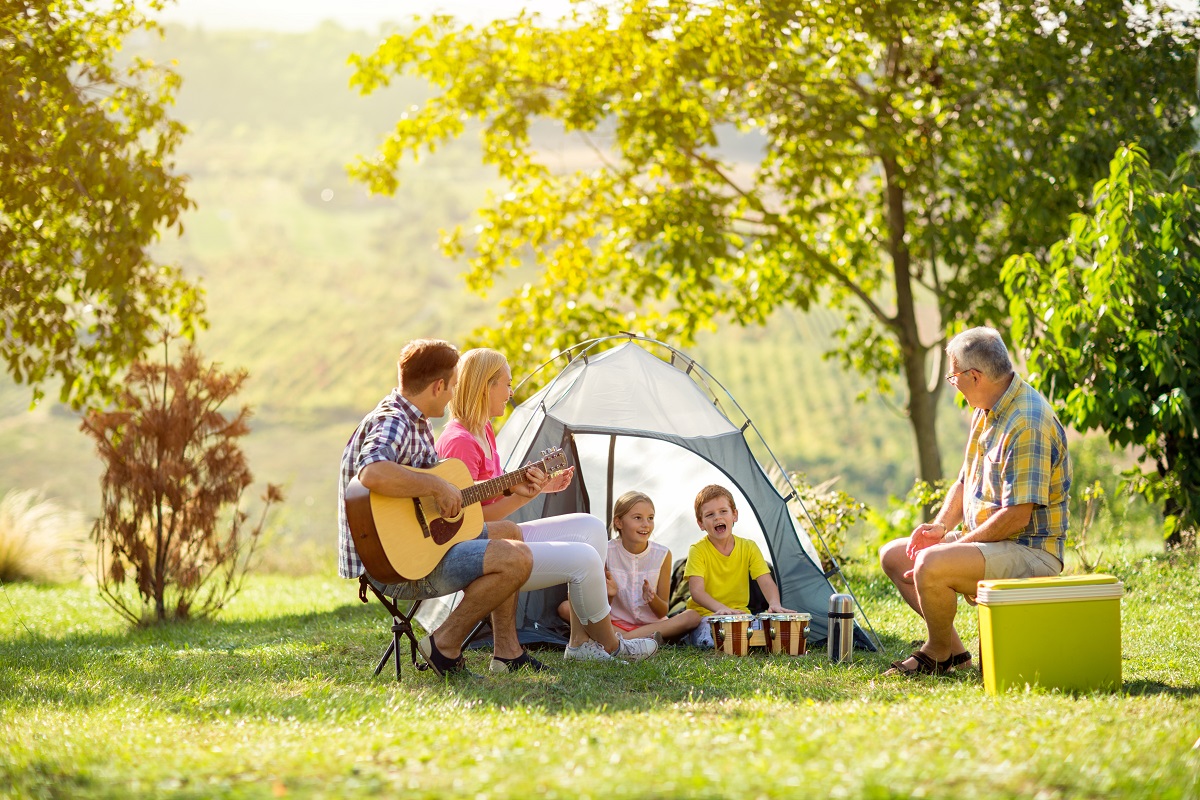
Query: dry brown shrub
{"type": "Point", "coordinates": [174, 542]}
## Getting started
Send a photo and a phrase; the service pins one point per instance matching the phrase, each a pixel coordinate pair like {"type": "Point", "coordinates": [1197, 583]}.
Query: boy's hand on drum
{"type": "Point", "coordinates": [780, 610]}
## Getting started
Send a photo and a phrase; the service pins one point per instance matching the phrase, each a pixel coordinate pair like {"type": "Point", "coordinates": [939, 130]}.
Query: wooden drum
{"type": "Point", "coordinates": [786, 633]}
{"type": "Point", "coordinates": [731, 633]}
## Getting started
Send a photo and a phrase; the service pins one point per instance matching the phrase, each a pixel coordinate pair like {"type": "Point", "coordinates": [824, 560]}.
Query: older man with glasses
{"type": "Point", "coordinates": [1010, 496]}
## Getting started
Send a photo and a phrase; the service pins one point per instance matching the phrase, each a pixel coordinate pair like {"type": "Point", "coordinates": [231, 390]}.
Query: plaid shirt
{"type": "Point", "coordinates": [1017, 454]}
{"type": "Point", "coordinates": [395, 431]}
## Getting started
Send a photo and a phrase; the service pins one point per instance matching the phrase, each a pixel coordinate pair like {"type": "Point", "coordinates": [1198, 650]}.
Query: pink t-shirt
{"type": "Point", "coordinates": [457, 442]}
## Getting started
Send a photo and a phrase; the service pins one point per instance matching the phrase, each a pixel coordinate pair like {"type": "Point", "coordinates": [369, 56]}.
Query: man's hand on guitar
{"type": "Point", "coordinates": [448, 497]}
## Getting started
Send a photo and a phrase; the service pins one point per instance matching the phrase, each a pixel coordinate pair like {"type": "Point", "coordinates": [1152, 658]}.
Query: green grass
{"type": "Point", "coordinates": [276, 698]}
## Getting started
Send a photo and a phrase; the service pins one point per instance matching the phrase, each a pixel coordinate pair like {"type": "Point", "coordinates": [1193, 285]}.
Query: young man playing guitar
{"type": "Point", "coordinates": [489, 569]}
{"type": "Point", "coordinates": [396, 435]}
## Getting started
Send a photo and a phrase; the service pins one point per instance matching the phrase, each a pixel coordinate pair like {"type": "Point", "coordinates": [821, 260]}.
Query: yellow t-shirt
{"type": "Point", "coordinates": [726, 578]}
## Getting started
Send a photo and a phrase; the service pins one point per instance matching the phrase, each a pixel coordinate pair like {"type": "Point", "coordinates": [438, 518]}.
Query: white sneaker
{"type": "Point", "coordinates": [635, 649]}
{"type": "Point", "coordinates": [591, 650]}
{"type": "Point", "coordinates": [702, 636]}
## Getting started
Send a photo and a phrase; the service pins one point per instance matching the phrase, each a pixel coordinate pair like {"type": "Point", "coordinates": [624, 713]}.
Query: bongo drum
{"type": "Point", "coordinates": [787, 633]}
{"type": "Point", "coordinates": [731, 633]}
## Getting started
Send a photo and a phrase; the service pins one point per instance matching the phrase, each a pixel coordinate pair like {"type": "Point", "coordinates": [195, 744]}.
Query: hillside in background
{"type": "Point", "coordinates": [313, 286]}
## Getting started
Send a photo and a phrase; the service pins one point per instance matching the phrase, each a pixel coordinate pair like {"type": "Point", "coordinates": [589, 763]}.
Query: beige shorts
{"type": "Point", "coordinates": [1008, 559]}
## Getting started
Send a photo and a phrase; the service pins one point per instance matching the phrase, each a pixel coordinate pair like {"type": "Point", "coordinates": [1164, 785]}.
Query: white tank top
{"type": "Point", "coordinates": [628, 571]}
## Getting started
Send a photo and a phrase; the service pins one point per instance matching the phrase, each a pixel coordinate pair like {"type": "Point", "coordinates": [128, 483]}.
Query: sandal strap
{"type": "Point", "coordinates": [925, 663]}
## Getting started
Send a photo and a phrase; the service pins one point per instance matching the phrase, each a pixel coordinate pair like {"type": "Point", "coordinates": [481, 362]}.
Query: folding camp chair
{"type": "Point", "coordinates": [402, 626]}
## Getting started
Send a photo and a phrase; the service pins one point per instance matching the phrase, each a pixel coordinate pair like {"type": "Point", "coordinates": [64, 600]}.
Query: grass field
{"type": "Point", "coordinates": [276, 699]}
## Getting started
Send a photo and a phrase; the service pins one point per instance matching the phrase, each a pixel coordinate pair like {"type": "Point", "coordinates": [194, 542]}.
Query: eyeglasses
{"type": "Point", "coordinates": [951, 378]}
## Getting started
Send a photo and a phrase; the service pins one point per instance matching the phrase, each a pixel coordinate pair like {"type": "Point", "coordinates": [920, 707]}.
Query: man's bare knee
{"type": "Point", "coordinates": [932, 566]}
{"type": "Point", "coordinates": [893, 558]}
{"type": "Point", "coordinates": [511, 557]}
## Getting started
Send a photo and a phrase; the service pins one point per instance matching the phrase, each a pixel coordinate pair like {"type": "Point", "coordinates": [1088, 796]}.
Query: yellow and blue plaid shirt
{"type": "Point", "coordinates": [1017, 454]}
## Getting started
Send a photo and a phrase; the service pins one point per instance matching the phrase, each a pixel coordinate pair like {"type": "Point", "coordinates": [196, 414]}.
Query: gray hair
{"type": "Point", "coordinates": [982, 349]}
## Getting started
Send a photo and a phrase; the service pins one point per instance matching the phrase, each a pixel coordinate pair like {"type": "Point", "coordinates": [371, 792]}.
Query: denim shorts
{"type": "Point", "coordinates": [1007, 559]}
{"type": "Point", "coordinates": [459, 568]}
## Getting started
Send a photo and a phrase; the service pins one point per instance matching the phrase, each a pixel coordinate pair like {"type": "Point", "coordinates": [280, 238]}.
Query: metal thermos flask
{"type": "Point", "coordinates": [841, 628]}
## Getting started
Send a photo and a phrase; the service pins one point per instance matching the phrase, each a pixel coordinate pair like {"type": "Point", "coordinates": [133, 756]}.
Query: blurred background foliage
{"type": "Point", "coordinates": [313, 285]}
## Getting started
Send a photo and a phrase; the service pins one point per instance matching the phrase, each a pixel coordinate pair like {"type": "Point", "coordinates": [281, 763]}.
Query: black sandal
{"type": "Point", "coordinates": [523, 661]}
{"type": "Point", "coordinates": [925, 666]}
{"type": "Point", "coordinates": [442, 665]}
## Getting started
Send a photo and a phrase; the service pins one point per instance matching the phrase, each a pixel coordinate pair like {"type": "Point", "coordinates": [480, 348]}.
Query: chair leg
{"type": "Point", "coordinates": [386, 654]}
{"type": "Point", "coordinates": [401, 626]}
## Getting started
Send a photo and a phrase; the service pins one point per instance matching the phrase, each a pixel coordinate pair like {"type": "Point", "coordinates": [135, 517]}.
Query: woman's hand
{"type": "Point", "coordinates": [535, 479]}
{"type": "Point", "coordinates": [561, 480]}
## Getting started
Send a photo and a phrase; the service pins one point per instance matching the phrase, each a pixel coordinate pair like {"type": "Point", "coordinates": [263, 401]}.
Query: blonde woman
{"type": "Point", "coordinates": [566, 549]}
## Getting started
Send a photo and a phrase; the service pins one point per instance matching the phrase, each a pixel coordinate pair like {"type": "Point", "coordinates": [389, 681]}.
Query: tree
{"type": "Point", "coordinates": [86, 185]}
{"type": "Point", "coordinates": [882, 158]}
{"type": "Point", "coordinates": [172, 469]}
{"type": "Point", "coordinates": [1110, 322]}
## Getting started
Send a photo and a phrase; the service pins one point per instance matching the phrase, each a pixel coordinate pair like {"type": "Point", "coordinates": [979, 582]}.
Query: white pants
{"type": "Point", "coordinates": [570, 549]}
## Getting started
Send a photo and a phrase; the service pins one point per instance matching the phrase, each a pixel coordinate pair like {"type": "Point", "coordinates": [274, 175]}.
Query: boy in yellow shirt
{"type": "Point", "coordinates": [720, 564]}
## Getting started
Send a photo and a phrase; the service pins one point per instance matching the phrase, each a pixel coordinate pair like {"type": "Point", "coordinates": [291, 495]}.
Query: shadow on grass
{"type": "Point", "coordinates": [314, 665]}
{"type": "Point", "coordinates": [84, 669]}
{"type": "Point", "coordinates": [1142, 688]}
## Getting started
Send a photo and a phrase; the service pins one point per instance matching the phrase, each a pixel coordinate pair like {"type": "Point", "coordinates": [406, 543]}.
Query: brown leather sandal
{"type": "Point", "coordinates": [962, 659]}
{"type": "Point", "coordinates": [925, 666]}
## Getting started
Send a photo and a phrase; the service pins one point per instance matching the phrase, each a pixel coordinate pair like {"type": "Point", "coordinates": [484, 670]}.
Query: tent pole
{"type": "Point", "coordinates": [608, 499]}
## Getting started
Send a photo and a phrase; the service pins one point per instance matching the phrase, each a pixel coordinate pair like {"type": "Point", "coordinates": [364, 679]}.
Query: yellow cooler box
{"type": "Point", "coordinates": [1060, 633]}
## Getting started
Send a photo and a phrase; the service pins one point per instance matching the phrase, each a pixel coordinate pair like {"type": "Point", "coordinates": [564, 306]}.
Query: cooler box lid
{"type": "Point", "coordinates": [1049, 590]}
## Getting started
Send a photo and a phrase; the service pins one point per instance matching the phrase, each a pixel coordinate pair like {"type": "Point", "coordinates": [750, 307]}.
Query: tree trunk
{"type": "Point", "coordinates": [922, 415]}
{"type": "Point", "coordinates": [922, 400]}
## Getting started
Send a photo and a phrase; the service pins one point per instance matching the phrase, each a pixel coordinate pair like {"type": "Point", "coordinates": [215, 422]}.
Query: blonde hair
{"type": "Point", "coordinates": [476, 370]}
{"type": "Point", "coordinates": [622, 507]}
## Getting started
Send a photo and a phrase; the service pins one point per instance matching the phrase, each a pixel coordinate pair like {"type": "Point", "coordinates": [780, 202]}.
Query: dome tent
{"type": "Point", "coordinates": [628, 419]}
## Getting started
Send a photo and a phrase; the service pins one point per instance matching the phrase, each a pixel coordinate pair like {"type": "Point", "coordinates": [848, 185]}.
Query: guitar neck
{"type": "Point", "coordinates": [497, 486]}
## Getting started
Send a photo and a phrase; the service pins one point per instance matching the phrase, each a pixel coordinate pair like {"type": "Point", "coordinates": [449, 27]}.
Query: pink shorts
{"type": "Point", "coordinates": [623, 625]}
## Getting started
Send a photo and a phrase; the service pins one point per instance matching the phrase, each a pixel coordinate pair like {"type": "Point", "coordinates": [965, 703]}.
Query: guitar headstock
{"type": "Point", "coordinates": [553, 460]}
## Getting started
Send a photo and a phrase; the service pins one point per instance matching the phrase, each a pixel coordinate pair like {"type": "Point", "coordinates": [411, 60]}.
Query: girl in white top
{"type": "Point", "coordinates": [639, 573]}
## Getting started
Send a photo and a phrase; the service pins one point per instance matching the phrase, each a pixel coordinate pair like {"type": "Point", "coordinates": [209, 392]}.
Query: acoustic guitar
{"type": "Point", "coordinates": [404, 538]}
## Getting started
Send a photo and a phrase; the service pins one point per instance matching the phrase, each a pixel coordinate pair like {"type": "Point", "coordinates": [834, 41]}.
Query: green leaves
{"type": "Point", "coordinates": [732, 157]}
{"type": "Point", "coordinates": [85, 187]}
{"type": "Point", "coordinates": [1130, 277]}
